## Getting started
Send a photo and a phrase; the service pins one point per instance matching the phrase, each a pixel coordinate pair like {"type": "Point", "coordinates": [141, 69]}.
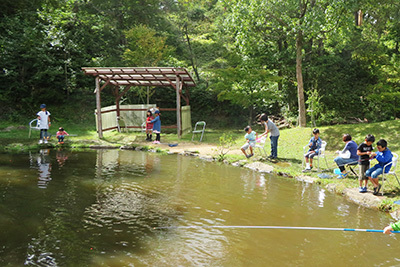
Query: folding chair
{"type": "Point", "coordinates": [321, 154]}
{"type": "Point", "coordinates": [196, 130]}
{"type": "Point", "coordinates": [392, 169]}
{"type": "Point", "coordinates": [33, 125]}
{"type": "Point", "coordinates": [351, 165]}
{"type": "Point", "coordinates": [260, 145]}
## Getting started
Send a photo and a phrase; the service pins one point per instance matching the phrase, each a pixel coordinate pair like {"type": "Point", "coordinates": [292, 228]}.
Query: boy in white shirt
{"type": "Point", "coordinates": [44, 123]}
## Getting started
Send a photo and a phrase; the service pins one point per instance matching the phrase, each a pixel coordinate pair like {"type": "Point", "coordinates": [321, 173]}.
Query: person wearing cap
{"type": "Point", "coordinates": [43, 117]}
{"type": "Point", "coordinates": [61, 134]}
{"type": "Point", "coordinates": [156, 126]}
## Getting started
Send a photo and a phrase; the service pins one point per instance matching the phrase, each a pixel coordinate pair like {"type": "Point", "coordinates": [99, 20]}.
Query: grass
{"type": "Point", "coordinates": [290, 149]}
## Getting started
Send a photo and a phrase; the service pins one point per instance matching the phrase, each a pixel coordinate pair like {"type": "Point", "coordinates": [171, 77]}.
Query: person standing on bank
{"type": "Point", "coordinates": [271, 128]}
{"type": "Point", "coordinates": [156, 126]}
{"type": "Point", "coordinates": [43, 117]}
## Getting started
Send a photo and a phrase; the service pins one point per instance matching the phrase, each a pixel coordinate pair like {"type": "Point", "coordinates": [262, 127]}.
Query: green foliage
{"type": "Point", "coordinates": [144, 48]}
{"type": "Point", "coordinates": [241, 53]}
{"type": "Point", "coordinates": [225, 144]}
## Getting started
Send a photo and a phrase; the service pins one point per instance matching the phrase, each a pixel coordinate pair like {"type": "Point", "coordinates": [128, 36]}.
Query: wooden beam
{"type": "Point", "coordinates": [178, 106]}
{"type": "Point", "coordinates": [98, 105]}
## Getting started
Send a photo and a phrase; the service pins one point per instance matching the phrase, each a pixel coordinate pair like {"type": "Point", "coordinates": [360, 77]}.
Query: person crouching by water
{"type": "Point", "coordinates": [157, 126]}
{"type": "Point", "coordinates": [314, 144]}
{"type": "Point", "coordinates": [383, 156]}
{"type": "Point", "coordinates": [347, 155]}
{"type": "Point", "coordinates": [250, 137]}
{"type": "Point", "coordinates": [271, 128]}
{"type": "Point", "coordinates": [61, 135]}
{"type": "Point", "coordinates": [149, 126]}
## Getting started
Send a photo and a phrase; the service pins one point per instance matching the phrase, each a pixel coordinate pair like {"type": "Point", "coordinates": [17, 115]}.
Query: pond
{"type": "Point", "coordinates": [101, 208]}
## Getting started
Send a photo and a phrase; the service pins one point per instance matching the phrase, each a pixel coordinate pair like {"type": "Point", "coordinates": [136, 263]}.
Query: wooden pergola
{"type": "Point", "coordinates": [177, 78]}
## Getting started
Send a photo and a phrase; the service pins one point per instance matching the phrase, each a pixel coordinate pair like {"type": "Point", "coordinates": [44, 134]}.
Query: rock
{"type": "Point", "coordinates": [207, 158]}
{"type": "Point", "coordinates": [364, 199]}
{"type": "Point", "coordinates": [260, 167]}
{"type": "Point", "coordinates": [307, 179]}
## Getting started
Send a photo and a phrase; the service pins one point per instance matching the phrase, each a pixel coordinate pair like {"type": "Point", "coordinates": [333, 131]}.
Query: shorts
{"type": "Point", "coordinates": [363, 169]}
{"type": "Point", "coordinates": [248, 144]}
{"type": "Point", "coordinates": [374, 172]}
{"type": "Point", "coordinates": [311, 154]}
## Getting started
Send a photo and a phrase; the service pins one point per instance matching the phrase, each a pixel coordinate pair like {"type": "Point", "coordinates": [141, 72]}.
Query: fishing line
{"type": "Point", "coordinates": [272, 227]}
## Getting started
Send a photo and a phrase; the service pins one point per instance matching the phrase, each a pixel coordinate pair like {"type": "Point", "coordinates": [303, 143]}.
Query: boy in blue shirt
{"type": "Point", "coordinates": [250, 137]}
{"type": "Point", "coordinates": [314, 144]}
{"type": "Point", "coordinates": [383, 156]}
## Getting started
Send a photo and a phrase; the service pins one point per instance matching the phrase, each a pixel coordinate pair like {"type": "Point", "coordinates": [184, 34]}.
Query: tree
{"type": "Point", "coordinates": [263, 26]}
{"type": "Point", "coordinates": [144, 48]}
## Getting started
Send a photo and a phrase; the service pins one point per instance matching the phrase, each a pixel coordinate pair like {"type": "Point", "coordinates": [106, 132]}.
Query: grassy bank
{"type": "Point", "coordinates": [290, 151]}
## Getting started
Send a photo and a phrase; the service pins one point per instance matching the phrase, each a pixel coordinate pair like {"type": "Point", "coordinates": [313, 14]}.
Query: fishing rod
{"type": "Point", "coordinates": [272, 227]}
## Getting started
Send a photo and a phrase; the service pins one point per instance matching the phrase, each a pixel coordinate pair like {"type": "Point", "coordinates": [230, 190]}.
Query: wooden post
{"type": "Point", "coordinates": [98, 106]}
{"type": "Point", "coordinates": [178, 106]}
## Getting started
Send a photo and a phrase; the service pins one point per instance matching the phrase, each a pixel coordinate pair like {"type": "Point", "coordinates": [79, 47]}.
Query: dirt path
{"type": "Point", "coordinates": [202, 149]}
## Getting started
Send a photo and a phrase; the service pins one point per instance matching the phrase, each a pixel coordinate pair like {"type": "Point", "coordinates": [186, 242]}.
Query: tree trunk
{"type": "Point", "coordinates": [250, 114]}
{"type": "Point", "coordinates": [299, 77]}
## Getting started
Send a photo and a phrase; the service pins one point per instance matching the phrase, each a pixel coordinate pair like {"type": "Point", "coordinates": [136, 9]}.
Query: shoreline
{"type": "Point", "coordinates": [209, 153]}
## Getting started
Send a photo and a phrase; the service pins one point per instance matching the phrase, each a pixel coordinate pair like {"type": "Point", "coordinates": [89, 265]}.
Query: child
{"type": "Point", "coordinates": [156, 126]}
{"type": "Point", "coordinates": [314, 144]}
{"type": "Point", "coordinates": [383, 156]}
{"type": "Point", "coordinates": [61, 134]}
{"type": "Point", "coordinates": [250, 137]}
{"type": "Point", "coordinates": [44, 123]}
{"type": "Point", "coordinates": [271, 128]}
{"type": "Point", "coordinates": [364, 150]}
{"type": "Point", "coordinates": [149, 125]}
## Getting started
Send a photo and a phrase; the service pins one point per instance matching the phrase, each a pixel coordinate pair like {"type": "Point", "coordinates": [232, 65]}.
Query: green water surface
{"type": "Point", "coordinates": [100, 208]}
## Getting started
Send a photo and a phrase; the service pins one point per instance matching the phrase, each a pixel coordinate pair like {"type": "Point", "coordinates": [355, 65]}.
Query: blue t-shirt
{"type": "Point", "coordinates": [316, 144]}
{"type": "Point", "coordinates": [250, 136]}
{"type": "Point", "coordinates": [384, 158]}
{"type": "Point", "coordinates": [352, 147]}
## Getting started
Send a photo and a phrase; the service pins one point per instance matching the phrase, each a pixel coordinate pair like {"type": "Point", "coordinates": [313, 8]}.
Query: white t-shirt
{"type": "Point", "coordinates": [43, 119]}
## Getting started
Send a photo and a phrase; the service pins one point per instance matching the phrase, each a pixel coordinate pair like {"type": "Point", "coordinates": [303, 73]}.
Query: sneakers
{"type": "Point", "coordinates": [342, 175]}
{"type": "Point", "coordinates": [40, 142]}
{"type": "Point", "coordinates": [156, 142]}
{"type": "Point", "coordinates": [376, 189]}
{"type": "Point", "coordinates": [45, 141]}
{"type": "Point", "coordinates": [307, 169]}
{"type": "Point", "coordinates": [249, 156]}
{"type": "Point", "coordinates": [362, 189]}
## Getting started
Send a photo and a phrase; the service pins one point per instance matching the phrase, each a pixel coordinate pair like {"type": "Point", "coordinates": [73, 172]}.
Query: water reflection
{"type": "Point", "coordinates": [61, 156]}
{"type": "Point", "coordinates": [101, 210]}
{"type": "Point", "coordinates": [44, 167]}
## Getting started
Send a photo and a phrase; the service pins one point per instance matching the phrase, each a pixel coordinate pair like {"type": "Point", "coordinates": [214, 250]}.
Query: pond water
{"type": "Point", "coordinates": [100, 208]}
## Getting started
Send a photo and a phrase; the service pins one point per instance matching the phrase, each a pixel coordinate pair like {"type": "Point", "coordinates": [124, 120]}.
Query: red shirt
{"type": "Point", "coordinates": [149, 125]}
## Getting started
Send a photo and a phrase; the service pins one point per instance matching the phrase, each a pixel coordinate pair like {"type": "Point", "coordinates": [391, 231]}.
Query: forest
{"type": "Point", "coordinates": [338, 58]}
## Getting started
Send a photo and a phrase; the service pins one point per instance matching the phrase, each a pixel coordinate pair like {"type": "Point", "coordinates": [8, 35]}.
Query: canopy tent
{"type": "Point", "coordinates": [177, 78]}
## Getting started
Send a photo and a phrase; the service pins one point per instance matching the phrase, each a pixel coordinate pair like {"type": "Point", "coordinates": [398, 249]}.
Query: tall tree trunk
{"type": "Point", "coordinates": [250, 114]}
{"type": "Point", "coordinates": [299, 77]}
{"type": "Point", "coordinates": [192, 60]}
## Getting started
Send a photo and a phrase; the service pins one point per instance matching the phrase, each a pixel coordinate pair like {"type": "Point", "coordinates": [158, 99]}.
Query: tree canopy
{"type": "Point", "coordinates": [248, 56]}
